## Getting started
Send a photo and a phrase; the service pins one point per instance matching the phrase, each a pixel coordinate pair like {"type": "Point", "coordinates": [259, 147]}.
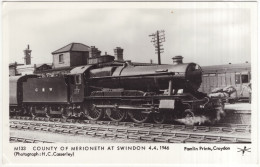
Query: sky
{"type": "Point", "coordinates": [207, 36]}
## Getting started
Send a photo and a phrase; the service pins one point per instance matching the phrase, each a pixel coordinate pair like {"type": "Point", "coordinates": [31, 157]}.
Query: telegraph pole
{"type": "Point", "coordinates": [157, 38]}
{"type": "Point", "coordinates": [158, 49]}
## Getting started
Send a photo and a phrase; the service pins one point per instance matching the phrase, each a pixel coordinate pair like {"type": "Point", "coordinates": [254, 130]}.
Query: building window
{"type": "Point", "coordinates": [244, 78]}
{"type": "Point", "coordinates": [61, 58]}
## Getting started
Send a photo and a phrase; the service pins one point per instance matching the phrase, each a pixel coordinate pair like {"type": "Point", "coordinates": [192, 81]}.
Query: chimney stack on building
{"type": "Point", "coordinates": [177, 60]}
{"type": "Point", "coordinates": [119, 53]}
{"type": "Point", "coordinates": [27, 57]}
{"type": "Point", "coordinates": [94, 52]}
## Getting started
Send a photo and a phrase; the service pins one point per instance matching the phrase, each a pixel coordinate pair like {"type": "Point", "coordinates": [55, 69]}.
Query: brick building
{"type": "Point", "coordinates": [70, 56]}
{"type": "Point", "coordinates": [74, 54]}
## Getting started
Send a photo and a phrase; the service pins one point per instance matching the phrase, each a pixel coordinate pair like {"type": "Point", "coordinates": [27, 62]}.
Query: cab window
{"type": "Point", "coordinates": [77, 79]}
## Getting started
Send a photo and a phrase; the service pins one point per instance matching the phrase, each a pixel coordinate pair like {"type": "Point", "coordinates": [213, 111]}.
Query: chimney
{"type": "Point", "coordinates": [177, 60]}
{"type": "Point", "coordinates": [27, 57]}
{"type": "Point", "coordinates": [94, 52]}
{"type": "Point", "coordinates": [15, 68]}
{"type": "Point", "coordinates": [98, 53]}
{"type": "Point", "coordinates": [119, 54]}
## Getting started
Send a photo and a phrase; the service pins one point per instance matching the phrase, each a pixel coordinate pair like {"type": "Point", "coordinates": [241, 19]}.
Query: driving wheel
{"type": "Point", "coordinates": [159, 118]}
{"type": "Point", "coordinates": [115, 114]}
{"type": "Point", "coordinates": [138, 117]}
{"type": "Point", "coordinates": [92, 112]}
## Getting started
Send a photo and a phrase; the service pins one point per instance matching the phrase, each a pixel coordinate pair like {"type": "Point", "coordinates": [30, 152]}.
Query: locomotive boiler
{"type": "Point", "coordinates": [98, 91]}
{"type": "Point", "coordinates": [148, 78]}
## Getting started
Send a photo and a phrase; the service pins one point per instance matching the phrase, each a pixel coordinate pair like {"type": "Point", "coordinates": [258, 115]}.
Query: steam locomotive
{"type": "Point", "coordinates": [96, 91]}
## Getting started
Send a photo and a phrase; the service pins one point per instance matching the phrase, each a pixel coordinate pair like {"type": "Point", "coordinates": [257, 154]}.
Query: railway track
{"type": "Point", "coordinates": [13, 139]}
{"type": "Point", "coordinates": [236, 127]}
{"type": "Point", "coordinates": [145, 131]}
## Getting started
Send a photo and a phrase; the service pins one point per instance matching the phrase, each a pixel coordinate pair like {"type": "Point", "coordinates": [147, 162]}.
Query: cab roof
{"type": "Point", "coordinates": [80, 69]}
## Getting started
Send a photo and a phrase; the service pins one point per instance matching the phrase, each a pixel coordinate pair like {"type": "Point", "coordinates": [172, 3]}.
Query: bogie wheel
{"type": "Point", "coordinates": [138, 117]}
{"type": "Point", "coordinates": [24, 111]}
{"type": "Point", "coordinates": [91, 112]}
{"type": "Point", "coordinates": [188, 113]}
{"type": "Point", "coordinates": [222, 104]}
{"type": "Point", "coordinates": [231, 101]}
{"type": "Point", "coordinates": [115, 114]}
{"type": "Point", "coordinates": [188, 117]}
{"type": "Point", "coordinates": [159, 118]}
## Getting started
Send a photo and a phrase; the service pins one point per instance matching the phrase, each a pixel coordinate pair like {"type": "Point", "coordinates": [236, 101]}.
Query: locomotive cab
{"type": "Point", "coordinates": [76, 88]}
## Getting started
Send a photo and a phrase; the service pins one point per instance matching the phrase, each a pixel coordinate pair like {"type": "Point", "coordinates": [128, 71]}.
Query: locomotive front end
{"type": "Point", "coordinates": [193, 76]}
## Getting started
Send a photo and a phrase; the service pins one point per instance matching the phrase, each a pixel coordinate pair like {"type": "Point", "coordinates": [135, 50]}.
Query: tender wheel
{"type": "Point", "coordinates": [91, 112]}
{"type": "Point", "coordinates": [159, 118]}
{"type": "Point", "coordinates": [115, 114]}
{"type": "Point", "coordinates": [138, 117]}
{"type": "Point", "coordinates": [24, 111]}
{"type": "Point", "coordinates": [32, 112]}
{"type": "Point", "coordinates": [64, 113]}
{"type": "Point", "coordinates": [16, 112]}
{"type": "Point", "coordinates": [47, 112]}
{"type": "Point", "coordinates": [19, 112]}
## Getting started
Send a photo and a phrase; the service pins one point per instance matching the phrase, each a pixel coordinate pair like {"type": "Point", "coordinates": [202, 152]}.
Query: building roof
{"type": "Point", "coordinates": [73, 47]}
{"type": "Point", "coordinates": [14, 64]}
{"type": "Point", "coordinates": [33, 65]}
{"type": "Point", "coordinates": [55, 69]}
{"type": "Point", "coordinates": [226, 68]}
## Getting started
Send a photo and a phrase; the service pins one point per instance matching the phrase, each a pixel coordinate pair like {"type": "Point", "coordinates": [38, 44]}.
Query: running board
{"type": "Point", "coordinates": [125, 107]}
